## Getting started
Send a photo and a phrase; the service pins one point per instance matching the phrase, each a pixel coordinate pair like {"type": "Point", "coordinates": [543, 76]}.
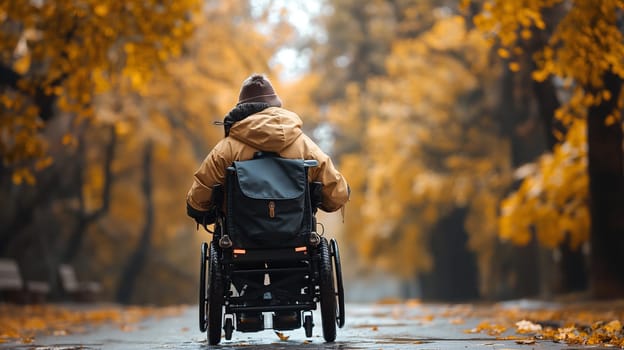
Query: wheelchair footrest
{"type": "Point", "coordinates": [249, 322]}
{"type": "Point", "coordinates": [270, 270]}
{"type": "Point", "coordinates": [271, 308]}
{"type": "Point", "coordinates": [285, 321]}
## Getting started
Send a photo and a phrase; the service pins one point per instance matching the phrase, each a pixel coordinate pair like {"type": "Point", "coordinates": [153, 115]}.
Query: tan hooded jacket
{"type": "Point", "coordinates": [272, 130]}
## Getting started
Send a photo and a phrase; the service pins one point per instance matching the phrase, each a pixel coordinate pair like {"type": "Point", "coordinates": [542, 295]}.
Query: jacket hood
{"type": "Point", "coordinates": [241, 112]}
{"type": "Point", "coordinates": [271, 129]}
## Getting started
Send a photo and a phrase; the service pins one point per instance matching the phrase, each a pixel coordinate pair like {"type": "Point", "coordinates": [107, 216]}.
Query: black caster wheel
{"type": "Point", "coordinates": [308, 325]}
{"type": "Point", "coordinates": [228, 328]}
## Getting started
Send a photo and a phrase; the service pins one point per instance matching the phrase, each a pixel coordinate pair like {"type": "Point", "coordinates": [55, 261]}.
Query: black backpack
{"type": "Point", "coordinates": [268, 201]}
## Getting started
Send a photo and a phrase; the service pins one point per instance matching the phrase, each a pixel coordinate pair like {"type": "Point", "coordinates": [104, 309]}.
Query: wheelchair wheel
{"type": "Point", "coordinates": [203, 300]}
{"type": "Point", "coordinates": [340, 312]}
{"type": "Point", "coordinates": [215, 301]}
{"type": "Point", "coordinates": [328, 294]}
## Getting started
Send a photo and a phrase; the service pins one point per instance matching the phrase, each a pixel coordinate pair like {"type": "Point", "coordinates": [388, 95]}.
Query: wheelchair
{"type": "Point", "coordinates": [265, 256]}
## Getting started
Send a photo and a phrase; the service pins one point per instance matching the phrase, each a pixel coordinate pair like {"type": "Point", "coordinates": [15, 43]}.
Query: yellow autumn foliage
{"type": "Point", "coordinates": [23, 322]}
{"type": "Point", "coordinates": [425, 152]}
{"type": "Point", "coordinates": [69, 51]}
{"type": "Point", "coordinates": [551, 202]}
{"type": "Point", "coordinates": [585, 43]}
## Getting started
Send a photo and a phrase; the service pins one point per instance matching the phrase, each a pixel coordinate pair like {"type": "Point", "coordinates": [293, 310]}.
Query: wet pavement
{"type": "Point", "coordinates": [368, 326]}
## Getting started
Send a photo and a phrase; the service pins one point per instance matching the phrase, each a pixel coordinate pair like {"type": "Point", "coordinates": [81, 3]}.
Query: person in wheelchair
{"type": "Point", "coordinates": [258, 123]}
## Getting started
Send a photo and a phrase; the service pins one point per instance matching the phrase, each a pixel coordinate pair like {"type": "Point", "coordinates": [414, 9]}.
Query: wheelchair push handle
{"type": "Point", "coordinates": [309, 163]}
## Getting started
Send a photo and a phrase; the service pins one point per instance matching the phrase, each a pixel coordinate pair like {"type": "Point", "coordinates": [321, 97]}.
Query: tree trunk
{"type": "Point", "coordinates": [454, 276]}
{"type": "Point", "coordinates": [84, 218]}
{"type": "Point", "coordinates": [573, 275]}
{"type": "Point", "coordinates": [606, 188]}
{"type": "Point", "coordinates": [519, 270]}
{"type": "Point", "coordinates": [573, 270]}
{"type": "Point", "coordinates": [137, 260]}
{"type": "Point", "coordinates": [26, 201]}
{"type": "Point", "coordinates": [23, 217]}
{"type": "Point", "coordinates": [547, 104]}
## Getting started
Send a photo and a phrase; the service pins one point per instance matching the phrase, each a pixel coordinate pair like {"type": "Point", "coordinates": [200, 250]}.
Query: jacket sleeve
{"type": "Point", "coordinates": [210, 172]}
{"type": "Point", "coordinates": [335, 187]}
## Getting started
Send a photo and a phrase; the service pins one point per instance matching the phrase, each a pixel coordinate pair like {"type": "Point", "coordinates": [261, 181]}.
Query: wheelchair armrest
{"type": "Point", "coordinates": [316, 194]}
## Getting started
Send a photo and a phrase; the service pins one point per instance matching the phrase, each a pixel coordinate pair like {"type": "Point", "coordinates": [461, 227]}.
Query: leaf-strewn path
{"type": "Point", "coordinates": [411, 325]}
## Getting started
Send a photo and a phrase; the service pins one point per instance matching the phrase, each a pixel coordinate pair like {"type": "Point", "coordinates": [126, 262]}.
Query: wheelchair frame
{"type": "Point", "coordinates": [317, 261]}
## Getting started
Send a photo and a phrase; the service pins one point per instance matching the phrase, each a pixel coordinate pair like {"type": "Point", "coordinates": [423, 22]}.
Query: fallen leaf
{"type": "Point", "coordinates": [282, 336]}
{"type": "Point", "coordinates": [428, 318]}
{"type": "Point", "coordinates": [456, 321]}
{"type": "Point", "coordinates": [525, 341]}
{"type": "Point", "coordinates": [27, 340]}
{"type": "Point", "coordinates": [389, 301]}
{"type": "Point", "coordinates": [525, 326]}
{"type": "Point", "coordinates": [413, 302]}
{"type": "Point", "coordinates": [374, 328]}
{"type": "Point", "coordinates": [490, 329]}
{"type": "Point", "coordinates": [127, 328]}
{"type": "Point", "coordinates": [613, 326]}
{"type": "Point", "coordinates": [59, 332]}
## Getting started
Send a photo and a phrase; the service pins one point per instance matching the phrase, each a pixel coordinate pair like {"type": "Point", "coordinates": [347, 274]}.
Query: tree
{"type": "Point", "coordinates": [583, 51]}
{"type": "Point", "coordinates": [355, 47]}
{"type": "Point", "coordinates": [137, 261]}
{"type": "Point", "coordinates": [56, 57]}
{"type": "Point", "coordinates": [431, 152]}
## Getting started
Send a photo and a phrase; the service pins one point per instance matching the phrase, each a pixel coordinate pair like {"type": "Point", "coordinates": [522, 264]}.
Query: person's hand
{"type": "Point", "coordinates": [201, 217]}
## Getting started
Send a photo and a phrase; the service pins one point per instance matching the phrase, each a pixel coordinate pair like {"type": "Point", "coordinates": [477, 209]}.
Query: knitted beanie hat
{"type": "Point", "coordinates": [258, 88]}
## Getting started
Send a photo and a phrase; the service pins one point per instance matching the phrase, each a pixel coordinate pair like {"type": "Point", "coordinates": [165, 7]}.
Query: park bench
{"type": "Point", "coordinates": [14, 288]}
{"type": "Point", "coordinates": [77, 290]}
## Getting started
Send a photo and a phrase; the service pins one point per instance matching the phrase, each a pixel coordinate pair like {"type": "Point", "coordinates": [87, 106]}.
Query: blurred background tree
{"type": "Point", "coordinates": [578, 46]}
{"type": "Point", "coordinates": [422, 101]}
{"type": "Point", "coordinates": [547, 79]}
